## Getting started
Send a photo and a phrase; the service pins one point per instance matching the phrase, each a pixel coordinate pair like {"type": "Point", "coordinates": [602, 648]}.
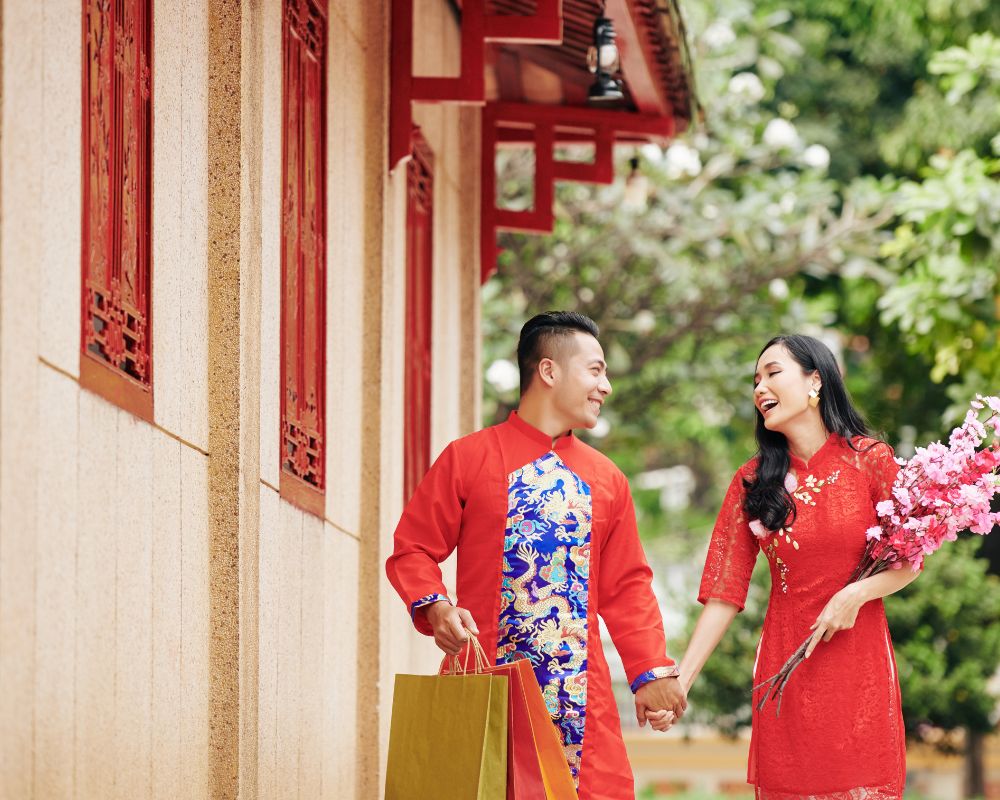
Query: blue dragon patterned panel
{"type": "Point", "coordinates": [543, 603]}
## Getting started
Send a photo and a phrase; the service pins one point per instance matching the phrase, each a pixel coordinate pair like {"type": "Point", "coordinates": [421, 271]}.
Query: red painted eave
{"type": "Point", "coordinates": [654, 68]}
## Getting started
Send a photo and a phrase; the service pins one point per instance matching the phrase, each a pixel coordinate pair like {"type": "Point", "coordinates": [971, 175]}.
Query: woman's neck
{"type": "Point", "coordinates": [805, 440]}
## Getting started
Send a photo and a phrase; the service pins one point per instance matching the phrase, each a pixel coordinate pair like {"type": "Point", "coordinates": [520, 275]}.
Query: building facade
{"type": "Point", "coordinates": [241, 246]}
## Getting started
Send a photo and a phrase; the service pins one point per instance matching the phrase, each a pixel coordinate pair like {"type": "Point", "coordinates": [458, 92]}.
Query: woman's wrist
{"type": "Point", "coordinates": [859, 592]}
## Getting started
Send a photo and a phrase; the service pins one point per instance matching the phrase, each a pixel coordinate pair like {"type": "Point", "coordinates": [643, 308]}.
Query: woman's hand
{"type": "Point", "coordinates": [839, 614]}
{"type": "Point", "coordinates": [661, 721]}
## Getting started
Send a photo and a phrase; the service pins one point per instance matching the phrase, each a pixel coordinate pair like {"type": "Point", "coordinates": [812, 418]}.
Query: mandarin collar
{"type": "Point", "coordinates": [818, 456]}
{"type": "Point", "coordinates": [540, 437]}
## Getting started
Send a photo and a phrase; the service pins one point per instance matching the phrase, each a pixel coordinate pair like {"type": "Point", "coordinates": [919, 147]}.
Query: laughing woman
{"type": "Point", "coordinates": [806, 500]}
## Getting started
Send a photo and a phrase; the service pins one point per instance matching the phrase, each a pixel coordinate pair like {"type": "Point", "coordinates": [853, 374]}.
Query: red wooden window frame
{"type": "Point", "coordinates": [303, 254]}
{"type": "Point", "coordinates": [116, 272]}
{"type": "Point", "coordinates": [419, 307]}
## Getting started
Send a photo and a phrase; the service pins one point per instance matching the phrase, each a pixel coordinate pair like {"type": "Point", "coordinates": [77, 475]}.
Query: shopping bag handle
{"type": "Point", "coordinates": [453, 666]}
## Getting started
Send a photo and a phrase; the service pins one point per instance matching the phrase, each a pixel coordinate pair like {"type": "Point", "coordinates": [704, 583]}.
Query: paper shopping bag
{"type": "Point", "coordinates": [536, 764]}
{"type": "Point", "coordinates": [448, 738]}
{"type": "Point", "coordinates": [535, 751]}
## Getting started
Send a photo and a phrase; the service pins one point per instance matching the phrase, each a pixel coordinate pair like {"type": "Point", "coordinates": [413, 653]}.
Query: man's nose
{"type": "Point", "coordinates": [605, 387]}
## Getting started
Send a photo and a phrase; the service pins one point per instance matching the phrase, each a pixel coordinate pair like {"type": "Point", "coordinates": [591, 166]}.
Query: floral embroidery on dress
{"type": "Point", "coordinates": [806, 494]}
{"type": "Point", "coordinates": [811, 487]}
{"type": "Point", "coordinates": [543, 596]}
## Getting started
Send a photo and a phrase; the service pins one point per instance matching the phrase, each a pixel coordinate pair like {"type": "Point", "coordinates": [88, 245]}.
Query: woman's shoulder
{"type": "Point", "coordinates": [748, 469]}
{"type": "Point", "coordinates": [870, 445]}
{"type": "Point", "coordinates": [868, 453]}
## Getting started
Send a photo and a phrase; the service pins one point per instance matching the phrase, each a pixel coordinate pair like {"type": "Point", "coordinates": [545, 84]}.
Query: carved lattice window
{"type": "Point", "coordinates": [419, 286]}
{"type": "Point", "coordinates": [303, 254]}
{"type": "Point", "coordinates": [116, 345]}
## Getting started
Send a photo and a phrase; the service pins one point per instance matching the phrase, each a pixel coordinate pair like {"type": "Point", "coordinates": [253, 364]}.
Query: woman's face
{"type": "Point", "coordinates": [781, 388]}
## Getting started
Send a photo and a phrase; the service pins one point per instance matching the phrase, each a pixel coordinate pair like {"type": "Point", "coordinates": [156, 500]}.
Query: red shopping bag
{"type": "Point", "coordinates": [536, 763]}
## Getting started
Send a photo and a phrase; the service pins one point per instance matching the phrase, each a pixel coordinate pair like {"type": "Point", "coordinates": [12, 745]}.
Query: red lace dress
{"type": "Point", "coordinates": [840, 734]}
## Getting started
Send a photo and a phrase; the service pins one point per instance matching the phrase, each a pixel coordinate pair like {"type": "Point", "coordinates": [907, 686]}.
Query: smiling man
{"type": "Point", "coordinates": [547, 542]}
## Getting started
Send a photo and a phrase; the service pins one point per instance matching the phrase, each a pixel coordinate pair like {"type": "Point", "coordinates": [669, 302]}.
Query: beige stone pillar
{"type": "Point", "coordinates": [234, 80]}
{"type": "Point", "coordinates": [371, 576]}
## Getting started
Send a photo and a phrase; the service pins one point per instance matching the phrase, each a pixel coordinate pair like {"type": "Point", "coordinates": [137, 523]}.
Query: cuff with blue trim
{"type": "Point", "coordinates": [426, 600]}
{"type": "Point", "coordinates": [653, 675]}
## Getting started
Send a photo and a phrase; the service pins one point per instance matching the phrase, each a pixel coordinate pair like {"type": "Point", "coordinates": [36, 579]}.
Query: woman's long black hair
{"type": "Point", "coordinates": [766, 496]}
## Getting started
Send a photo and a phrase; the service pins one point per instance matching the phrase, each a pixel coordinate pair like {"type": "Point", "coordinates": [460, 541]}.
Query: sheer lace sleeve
{"type": "Point", "coordinates": [878, 462]}
{"type": "Point", "coordinates": [731, 552]}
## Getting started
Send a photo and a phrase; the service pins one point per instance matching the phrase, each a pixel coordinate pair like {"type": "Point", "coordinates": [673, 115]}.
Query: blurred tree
{"type": "Point", "coordinates": [857, 77]}
{"type": "Point", "coordinates": [947, 640]}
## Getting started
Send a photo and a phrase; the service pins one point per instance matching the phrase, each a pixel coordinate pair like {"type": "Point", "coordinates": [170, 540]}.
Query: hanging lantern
{"type": "Point", "coordinates": [604, 63]}
{"type": "Point", "coordinates": [636, 194]}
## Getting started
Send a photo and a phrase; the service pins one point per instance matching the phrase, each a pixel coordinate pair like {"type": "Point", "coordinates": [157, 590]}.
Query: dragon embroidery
{"type": "Point", "coordinates": [543, 596]}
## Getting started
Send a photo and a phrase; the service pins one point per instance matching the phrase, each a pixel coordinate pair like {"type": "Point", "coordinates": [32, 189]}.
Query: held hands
{"type": "Point", "coordinates": [449, 624]}
{"type": "Point", "coordinates": [661, 703]}
{"type": "Point", "coordinates": [839, 614]}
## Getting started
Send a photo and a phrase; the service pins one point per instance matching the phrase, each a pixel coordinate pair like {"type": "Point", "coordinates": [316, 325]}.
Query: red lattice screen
{"type": "Point", "coordinates": [419, 285]}
{"type": "Point", "coordinates": [303, 254]}
{"type": "Point", "coordinates": [116, 346]}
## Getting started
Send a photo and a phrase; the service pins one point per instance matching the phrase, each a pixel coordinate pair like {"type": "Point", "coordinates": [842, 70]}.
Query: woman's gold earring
{"type": "Point", "coordinates": [813, 398]}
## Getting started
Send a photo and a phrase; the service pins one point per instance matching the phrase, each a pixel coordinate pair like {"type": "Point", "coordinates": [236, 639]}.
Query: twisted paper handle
{"type": "Point", "coordinates": [452, 665]}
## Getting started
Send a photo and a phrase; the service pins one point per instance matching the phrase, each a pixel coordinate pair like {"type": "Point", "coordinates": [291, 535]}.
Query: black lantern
{"type": "Point", "coordinates": [603, 61]}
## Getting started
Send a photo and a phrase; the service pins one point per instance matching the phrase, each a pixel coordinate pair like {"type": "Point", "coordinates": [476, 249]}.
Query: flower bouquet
{"type": "Point", "coordinates": [938, 493]}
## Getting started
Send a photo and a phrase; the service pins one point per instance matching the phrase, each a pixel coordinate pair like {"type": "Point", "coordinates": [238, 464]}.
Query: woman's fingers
{"type": "Point", "coordinates": [820, 632]}
{"type": "Point", "coordinates": [663, 721]}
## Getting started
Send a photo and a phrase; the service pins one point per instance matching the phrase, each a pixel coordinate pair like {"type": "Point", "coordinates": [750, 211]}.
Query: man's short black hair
{"type": "Point", "coordinates": [540, 337]}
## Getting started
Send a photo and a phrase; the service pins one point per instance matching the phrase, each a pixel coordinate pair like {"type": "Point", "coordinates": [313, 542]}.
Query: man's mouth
{"type": "Point", "coordinates": [596, 405]}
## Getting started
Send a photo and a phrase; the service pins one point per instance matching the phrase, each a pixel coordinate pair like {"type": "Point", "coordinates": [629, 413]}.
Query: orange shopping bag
{"type": "Point", "coordinates": [536, 764]}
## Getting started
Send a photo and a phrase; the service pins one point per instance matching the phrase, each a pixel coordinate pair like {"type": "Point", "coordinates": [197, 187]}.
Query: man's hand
{"type": "Point", "coordinates": [661, 695]}
{"type": "Point", "coordinates": [449, 624]}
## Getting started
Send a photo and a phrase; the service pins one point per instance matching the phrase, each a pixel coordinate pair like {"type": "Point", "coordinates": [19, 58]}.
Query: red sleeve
{"type": "Point", "coordinates": [426, 535]}
{"type": "Point", "coordinates": [625, 593]}
{"type": "Point", "coordinates": [879, 464]}
{"type": "Point", "coordinates": [732, 551]}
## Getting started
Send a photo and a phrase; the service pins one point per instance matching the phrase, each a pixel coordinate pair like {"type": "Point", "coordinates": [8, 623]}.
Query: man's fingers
{"type": "Point", "coordinates": [456, 630]}
{"type": "Point", "coordinates": [447, 646]}
{"type": "Point", "coordinates": [466, 619]}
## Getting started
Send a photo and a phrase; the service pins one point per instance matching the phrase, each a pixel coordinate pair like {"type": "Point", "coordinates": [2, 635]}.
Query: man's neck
{"type": "Point", "coordinates": [542, 417]}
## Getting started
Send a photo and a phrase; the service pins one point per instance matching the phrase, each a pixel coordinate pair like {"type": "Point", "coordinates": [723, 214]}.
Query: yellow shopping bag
{"type": "Point", "coordinates": [448, 738]}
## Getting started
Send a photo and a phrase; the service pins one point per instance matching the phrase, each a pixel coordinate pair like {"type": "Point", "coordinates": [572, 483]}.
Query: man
{"type": "Point", "coordinates": [546, 537]}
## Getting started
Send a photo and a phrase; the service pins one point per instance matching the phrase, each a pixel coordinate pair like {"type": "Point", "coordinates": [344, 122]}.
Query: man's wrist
{"type": "Point", "coordinates": [427, 602]}
{"type": "Point", "coordinates": [655, 674]}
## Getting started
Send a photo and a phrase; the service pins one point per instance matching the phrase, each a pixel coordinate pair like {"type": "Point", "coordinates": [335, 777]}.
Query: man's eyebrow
{"type": "Point", "coordinates": [599, 362]}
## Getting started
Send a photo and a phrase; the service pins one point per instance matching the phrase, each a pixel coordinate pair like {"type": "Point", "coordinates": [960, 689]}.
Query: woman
{"type": "Point", "coordinates": [806, 500]}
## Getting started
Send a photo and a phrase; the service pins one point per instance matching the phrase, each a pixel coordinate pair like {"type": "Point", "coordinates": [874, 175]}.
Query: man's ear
{"type": "Point", "coordinates": [548, 371]}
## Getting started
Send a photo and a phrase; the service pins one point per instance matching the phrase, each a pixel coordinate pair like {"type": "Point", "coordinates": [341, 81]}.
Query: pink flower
{"type": "Point", "coordinates": [758, 529]}
{"type": "Point", "coordinates": [885, 508]}
{"type": "Point", "coordinates": [791, 482]}
{"type": "Point", "coordinates": [874, 533]}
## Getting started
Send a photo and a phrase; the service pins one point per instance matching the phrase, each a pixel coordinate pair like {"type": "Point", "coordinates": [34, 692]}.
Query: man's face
{"type": "Point", "coordinates": [580, 380]}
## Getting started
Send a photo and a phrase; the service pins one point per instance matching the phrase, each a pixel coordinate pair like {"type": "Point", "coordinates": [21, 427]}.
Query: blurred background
{"type": "Point", "coordinates": [840, 179]}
